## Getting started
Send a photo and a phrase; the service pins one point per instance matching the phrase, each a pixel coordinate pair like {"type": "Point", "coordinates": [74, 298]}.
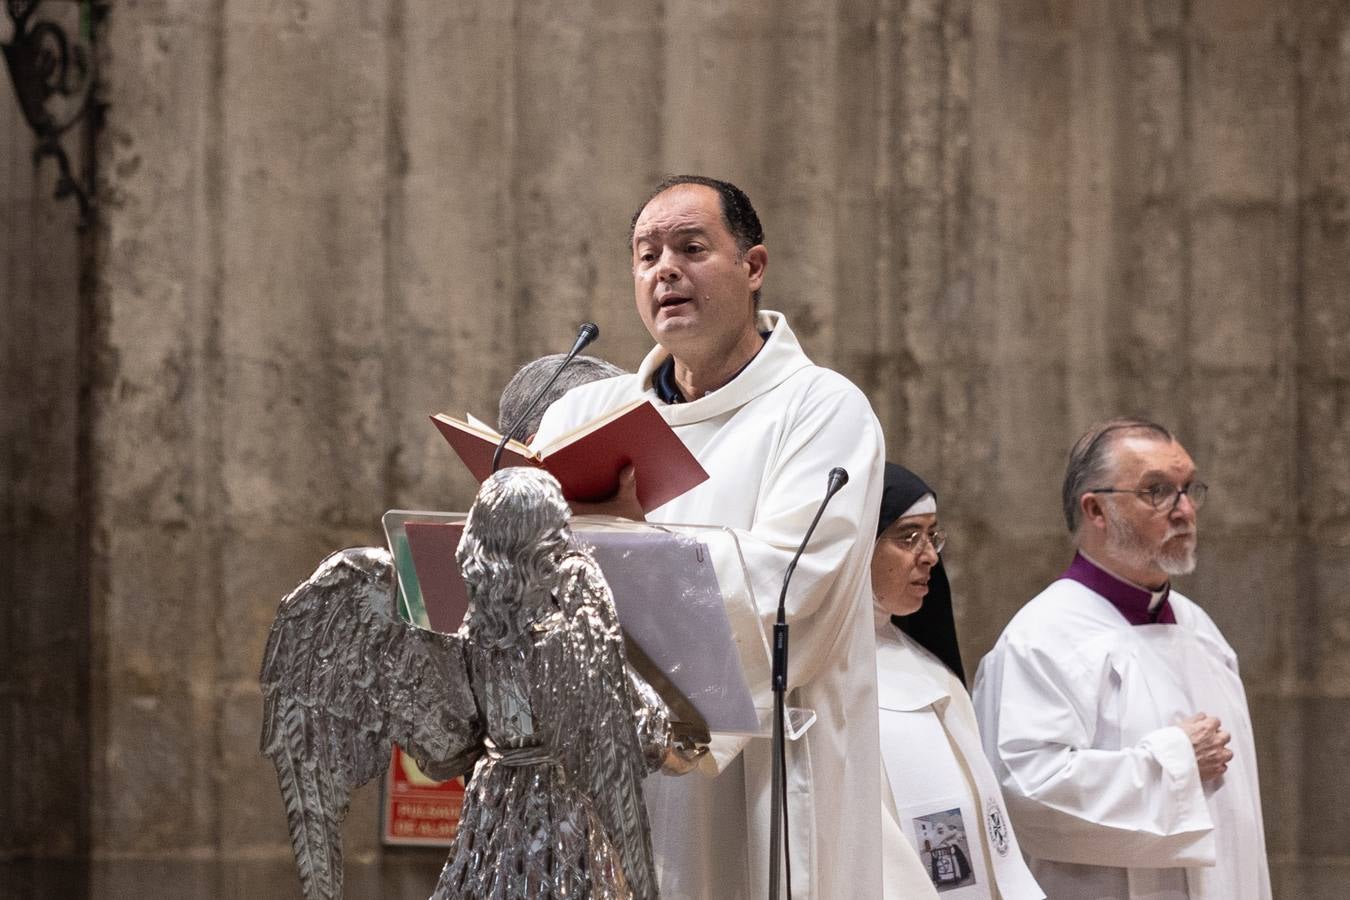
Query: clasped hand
{"type": "Point", "coordinates": [1210, 743]}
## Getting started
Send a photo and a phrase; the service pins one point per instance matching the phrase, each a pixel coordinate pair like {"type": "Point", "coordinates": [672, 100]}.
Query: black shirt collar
{"type": "Point", "coordinates": [663, 379]}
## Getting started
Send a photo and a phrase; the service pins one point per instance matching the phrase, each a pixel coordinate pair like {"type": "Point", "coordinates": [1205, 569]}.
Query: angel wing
{"type": "Point", "coordinates": [343, 679]}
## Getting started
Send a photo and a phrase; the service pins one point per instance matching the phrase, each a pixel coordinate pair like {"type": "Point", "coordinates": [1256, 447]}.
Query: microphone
{"type": "Point", "coordinates": [588, 332]}
{"type": "Point", "coordinates": [838, 477]}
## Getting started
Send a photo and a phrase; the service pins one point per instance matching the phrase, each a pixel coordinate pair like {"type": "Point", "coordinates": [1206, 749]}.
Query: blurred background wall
{"type": "Point", "coordinates": [318, 222]}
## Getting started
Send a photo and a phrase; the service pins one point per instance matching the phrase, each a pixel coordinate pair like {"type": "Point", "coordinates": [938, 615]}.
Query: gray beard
{"type": "Point", "coordinates": [1125, 542]}
{"type": "Point", "coordinates": [1180, 561]}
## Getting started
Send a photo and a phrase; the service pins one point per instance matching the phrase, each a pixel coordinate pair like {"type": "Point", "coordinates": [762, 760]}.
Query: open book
{"type": "Point", "coordinates": [587, 460]}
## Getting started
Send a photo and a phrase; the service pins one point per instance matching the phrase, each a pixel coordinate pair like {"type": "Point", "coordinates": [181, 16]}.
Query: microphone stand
{"type": "Point", "coordinates": [588, 332]}
{"type": "Point", "coordinates": [779, 822]}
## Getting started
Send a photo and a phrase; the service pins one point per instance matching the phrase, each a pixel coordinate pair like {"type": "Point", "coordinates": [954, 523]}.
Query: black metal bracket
{"type": "Point", "coordinates": [54, 77]}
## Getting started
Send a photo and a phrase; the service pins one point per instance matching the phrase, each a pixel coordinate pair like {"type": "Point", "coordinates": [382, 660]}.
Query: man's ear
{"type": "Point", "coordinates": [757, 258]}
{"type": "Point", "coordinates": [1090, 510]}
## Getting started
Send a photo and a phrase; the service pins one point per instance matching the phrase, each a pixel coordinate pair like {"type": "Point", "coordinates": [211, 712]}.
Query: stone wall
{"type": "Point", "coordinates": [322, 221]}
{"type": "Point", "coordinates": [44, 491]}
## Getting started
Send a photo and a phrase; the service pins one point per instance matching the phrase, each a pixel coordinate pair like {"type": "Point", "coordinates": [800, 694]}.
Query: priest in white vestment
{"type": "Point", "coordinates": [1111, 706]}
{"type": "Point", "coordinates": [767, 425]}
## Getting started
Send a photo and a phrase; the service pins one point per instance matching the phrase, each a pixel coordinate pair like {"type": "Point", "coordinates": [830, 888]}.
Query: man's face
{"type": "Point", "coordinates": [1163, 540]}
{"type": "Point", "coordinates": [693, 286]}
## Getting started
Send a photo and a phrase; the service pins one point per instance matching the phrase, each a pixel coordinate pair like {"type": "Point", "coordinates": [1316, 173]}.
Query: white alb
{"type": "Point", "coordinates": [768, 440]}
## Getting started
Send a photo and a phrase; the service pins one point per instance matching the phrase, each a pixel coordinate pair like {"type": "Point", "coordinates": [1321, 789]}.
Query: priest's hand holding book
{"type": "Point", "coordinates": [624, 503]}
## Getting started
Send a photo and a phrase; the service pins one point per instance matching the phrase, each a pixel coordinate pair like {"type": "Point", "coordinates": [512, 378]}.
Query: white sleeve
{"type": "Point", "coordinates": [827, 593]}
{"type": "Point", "coordinates": [1141, 806]}
{"type": "Point", "coordinates": [830, 428]}
{"type": "Point", "coordinates": [830, 424]}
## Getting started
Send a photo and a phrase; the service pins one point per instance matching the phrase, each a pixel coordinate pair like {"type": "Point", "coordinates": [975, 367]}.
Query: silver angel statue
{"type": "Point", "coordinates": [532, 693]}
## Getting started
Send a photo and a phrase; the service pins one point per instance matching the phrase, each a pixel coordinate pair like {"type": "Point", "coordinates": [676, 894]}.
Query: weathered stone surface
{"type": "Point", "coordinates": [275, 877]}
{"type": "Point", "coordinates": [164, 875]}
{"type": "Point", "coordinates": [44, 645]}
{"type": "Point", "coordinates": [1323, 815]}
{"type": "Point", "coordinates": [1325, 635]}
{"type": "Point", "coordinates": [1324, 189]}
{"type": "Point", "coordinates": [156, 795]}
{"type": "Point", "coordinates": [449, 233]}
{"type": "Point", "coordinates": [252, 818]}
{"type": "Point", "coordinates": [59, 876]}
{"type": "Point", "coordinates": [1325, 458]}
{"type": "Point", "coordinates": [1241, 92]}
{"type": "Point", "coordinates": [1241, 260]}
{"type": "Point", "coordinates": [1248, 585]}
{"type": "Point", "coordinates": [407, 873]}
{"type": "Point", "coordinates": [1326, 881]}
{"type": "Point", "coordinates": [44, 625]}
{"type": "Point", "coordinates": [1025, 564]}
{"type": "Point", "coordinates": [1247, 457]}
{"type": "Point", "coordinates": [1279, 727]}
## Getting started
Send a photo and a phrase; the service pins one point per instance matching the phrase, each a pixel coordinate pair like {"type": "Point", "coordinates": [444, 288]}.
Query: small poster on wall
{"type": "Point", "coordinates": [417, 809]}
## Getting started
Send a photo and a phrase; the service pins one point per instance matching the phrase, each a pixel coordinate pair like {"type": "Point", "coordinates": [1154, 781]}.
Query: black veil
{"type": "Point", "coordinates": [934, 625]}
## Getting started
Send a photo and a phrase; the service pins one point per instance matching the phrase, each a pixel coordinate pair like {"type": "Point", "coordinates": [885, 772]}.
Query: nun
{"type": "Point", "coordinates": [944, 825]}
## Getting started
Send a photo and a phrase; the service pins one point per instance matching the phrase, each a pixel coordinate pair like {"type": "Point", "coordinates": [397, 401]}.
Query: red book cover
{"type": "Point", "coordinates": [588, 460]}
{"type": "Point", "coordinates": [588, 468]}
{"type": "Point", "coordinates": [475, 447]}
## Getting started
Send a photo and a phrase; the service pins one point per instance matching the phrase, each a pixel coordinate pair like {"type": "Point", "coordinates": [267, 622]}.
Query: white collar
{"type": "Point", "coordinates": [909, 677]}
{"type": "Point", "coordinates": [780, 357]}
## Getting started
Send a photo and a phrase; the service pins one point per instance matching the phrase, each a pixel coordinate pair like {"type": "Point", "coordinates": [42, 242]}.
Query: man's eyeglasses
{"type": "Point", "coordinates": [1163, 496]}
{"type": "Point", "coordinates": [913, 541]}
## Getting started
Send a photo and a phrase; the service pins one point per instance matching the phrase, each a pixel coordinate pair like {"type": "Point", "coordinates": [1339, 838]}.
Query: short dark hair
{"type": "Point", "coordinates": [738, 213]}
{"type": "Point", "coordinates": [1090, 460]}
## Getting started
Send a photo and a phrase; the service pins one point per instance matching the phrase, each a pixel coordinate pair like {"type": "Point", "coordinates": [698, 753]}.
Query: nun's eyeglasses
{"type": "Point", "coordinates": [1164, 496]}
{"type": "Point", "coordinates": [912, 541]}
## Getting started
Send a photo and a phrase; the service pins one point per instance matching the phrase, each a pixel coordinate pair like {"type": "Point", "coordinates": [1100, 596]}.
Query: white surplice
{"type": "Point", "coordinates": [768, 440]}
{"type": "Point", "coordinates": [1078, 709]}
{"type": "Point", "coordinates": [935, 772]}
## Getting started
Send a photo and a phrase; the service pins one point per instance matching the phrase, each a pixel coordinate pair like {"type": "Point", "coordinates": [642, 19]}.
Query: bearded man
{"type": "Point", "coordinates": [1111, 707]}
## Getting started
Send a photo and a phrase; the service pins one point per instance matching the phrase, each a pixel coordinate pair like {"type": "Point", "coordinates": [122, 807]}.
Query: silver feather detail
{"type": "Point", "coordinates": [342, 680]}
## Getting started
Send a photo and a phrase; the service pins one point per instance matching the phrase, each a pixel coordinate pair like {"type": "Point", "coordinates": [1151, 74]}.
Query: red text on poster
{"type": "Point", "coordinates": [418, 810]}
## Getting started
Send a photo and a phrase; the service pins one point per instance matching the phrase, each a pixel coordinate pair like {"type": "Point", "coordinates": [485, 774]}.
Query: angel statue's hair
{"type": "Point", "coordinates": [513, 541]}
